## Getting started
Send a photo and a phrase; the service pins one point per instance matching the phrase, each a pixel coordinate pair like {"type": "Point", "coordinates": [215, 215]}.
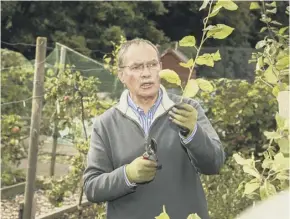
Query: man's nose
{"type": "Point", "coordinates": [146, 72]}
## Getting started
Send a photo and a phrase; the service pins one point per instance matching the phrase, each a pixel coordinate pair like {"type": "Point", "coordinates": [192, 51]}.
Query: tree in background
{"type": "Point", "coordinates": [82, 25]}
{"type": "Point", "coordinates": [93, 25]}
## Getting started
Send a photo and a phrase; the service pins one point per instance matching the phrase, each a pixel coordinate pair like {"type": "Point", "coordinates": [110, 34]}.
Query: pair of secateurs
{"type": "Point", "coordinates": [151, 152]}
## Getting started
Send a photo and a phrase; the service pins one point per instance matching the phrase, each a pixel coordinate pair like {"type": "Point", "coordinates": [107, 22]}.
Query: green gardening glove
{"type": "Point", "coordinates": [185, 116]}
{"type": "Point", "coordinates": [141, 170]}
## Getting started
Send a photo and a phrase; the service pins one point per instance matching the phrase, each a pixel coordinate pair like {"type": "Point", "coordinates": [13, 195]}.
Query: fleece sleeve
{"type": "Point", "coordinates": [101, 181]}
{"type": "Point", "coordinates": [205, 148]}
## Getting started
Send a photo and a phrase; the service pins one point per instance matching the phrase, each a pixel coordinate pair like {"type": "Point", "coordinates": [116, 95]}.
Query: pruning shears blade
{"type": "Point", "coordinates": [151, 152]}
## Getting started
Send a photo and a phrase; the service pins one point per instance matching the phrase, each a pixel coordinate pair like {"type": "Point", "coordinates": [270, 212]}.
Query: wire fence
{"type": "Point", "coordinates": [81, 63]}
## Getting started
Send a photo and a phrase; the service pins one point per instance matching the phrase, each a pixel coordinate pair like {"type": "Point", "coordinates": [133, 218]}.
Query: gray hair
{"type": "Point", "coordinates": [125, 46]}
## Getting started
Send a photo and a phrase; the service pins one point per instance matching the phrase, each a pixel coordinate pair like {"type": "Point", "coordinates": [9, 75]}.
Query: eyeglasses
{"type": "Point", "coordinates": [138, 68]}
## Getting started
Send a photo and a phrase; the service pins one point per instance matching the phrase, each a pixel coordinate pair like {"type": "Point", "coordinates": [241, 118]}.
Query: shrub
{"type": "Point", "coordinates": [224, 201]}
{"type": "Point", "coordinates": [240, 112]}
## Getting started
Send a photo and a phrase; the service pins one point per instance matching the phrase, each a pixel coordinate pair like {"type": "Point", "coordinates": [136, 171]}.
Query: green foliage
{"type": "Point", "coordinates": [218, 31]}
{"type": "Point", "coordinates": [240, 112]}
{"type": "Point", "coordinates": [11, 175]}
{"type": "Point", "coordinates": [13, 130]}
{"type": "Point", "coordinates": [71, 100]}
{"type": "Point", "coordinates": [224, 201]}
{"type": "Point", "coordinates": [16, 83]}
{"type": "Point", "coordinates": [270, 174]}
{"type": "Point", "coordinates": [65, 91]}
{"type": "Point", "coordinates": [111, 60]}
{"type": "Point", "coordinates": [85, 26]}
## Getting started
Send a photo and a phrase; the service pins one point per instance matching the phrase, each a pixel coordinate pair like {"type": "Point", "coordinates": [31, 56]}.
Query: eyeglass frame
{"type": "Point", "coordinates": [143, 66]}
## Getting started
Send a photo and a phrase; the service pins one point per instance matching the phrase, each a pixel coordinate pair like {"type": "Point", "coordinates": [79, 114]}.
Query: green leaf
{"type": "Point", "coordinates": [276, 22]}
{"type": "Point", "coordinates": [215, 11]}
{"type": "Point", "coordinates": [254, 5]}
{"type": "Point", "coordinates": [282, 176]}
{"type": "Point", "coordinates": [278, 88]}
{"type": "Point", "coordinates": [107, 60]}
{"type": "Point", "coordinates": [272, 135]}
{"type": "Point", "coordinates": [267, 164]}
{"type": "Point", "coordinates": [220, 31]}
{"type": "Point", "coordinates": [283, 63]}
{"type": "Point", "coordinates": [216, 56]}
{"type": "Point", "coordinates": [266, 60]}
{"type": "Point", "coordinates": [263, 29]}
{"type": "Point", "coordinates": [266, 19]}
{"type": "Point", "coordinates": [191, 88]}
{"type": "Point", "coordinates": [259, 64]}
{"type": "Point", "coordinates": [209, 27]}
{"type": "Point", "coordinates": [260, 44]}
{"type": "Point", "coordinates": [204, 85]}
{"type": "Point", "coordinates": [282, 30]}
{"type": "Point", "coordinates": [170, 76]}
{"type": "Point", "coordinates": [193, 216]}
{"type": "Point", "coordinates": [163, 215]}
{"type": "Point", "coordinates": [270, 75]}
{"type": "Point", "coordinates": [204, 4]}
{"type": "Point", "coordinates": [205, 59]}
{"type": "Point", "coordinates": [106, 66]}
{"type": "Point", "coordinates": [272, 11]}
{"type": "Point", "coordinates": [284, 145]}
{"type": "Point", "coordinates": [273, 4]}
{"type": "Point", "coordinates": [280, 162]}
{"type": "Point", "coordinates": [251, 187]}
{"type": "Point", "coordinates": [227, 4]}
{"type": "Point", "coordinates": [267, 190]}
{"type": "Point", "coordinates": [240, 160]}
{"type": "Point", "coordinates": [252, 171]}
{"type": "Point", "coordinates": [188, 64]}
{"type": "Point", "coordinates": [240, 187]}
{"type": "Point", "coordinates": [187, 41]}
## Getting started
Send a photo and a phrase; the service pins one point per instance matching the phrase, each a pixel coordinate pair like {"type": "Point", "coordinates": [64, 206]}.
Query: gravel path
{"type": "Point", "coordinates": [10, 207]}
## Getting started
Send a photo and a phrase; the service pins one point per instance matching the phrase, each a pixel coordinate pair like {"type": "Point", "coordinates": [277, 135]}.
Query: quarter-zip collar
{"type": "Point", "coordinates": [165, 105]}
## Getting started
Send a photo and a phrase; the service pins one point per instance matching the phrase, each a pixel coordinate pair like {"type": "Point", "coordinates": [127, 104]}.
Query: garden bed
{"type": "Point", "coordinates": [10, 206]}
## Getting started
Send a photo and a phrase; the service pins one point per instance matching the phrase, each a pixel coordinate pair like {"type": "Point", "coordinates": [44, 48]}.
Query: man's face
{"type": "Point", "coordinates": [141, 71]}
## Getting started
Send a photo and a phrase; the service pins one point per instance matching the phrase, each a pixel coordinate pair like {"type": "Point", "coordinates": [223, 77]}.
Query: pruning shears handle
{"type": "Point", "coordinates": [151, 152]}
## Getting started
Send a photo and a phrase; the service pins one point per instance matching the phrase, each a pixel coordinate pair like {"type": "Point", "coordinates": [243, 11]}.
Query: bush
{"type": "Point", "coordinates": [240, 112]}
{"type": "Point", "coordinates": [13, 150]}
{"type": "Point", "coordinates": [223, 200]}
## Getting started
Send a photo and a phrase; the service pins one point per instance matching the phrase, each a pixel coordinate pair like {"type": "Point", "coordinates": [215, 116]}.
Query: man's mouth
{"type": "Point", "coordinates": [146, 85]}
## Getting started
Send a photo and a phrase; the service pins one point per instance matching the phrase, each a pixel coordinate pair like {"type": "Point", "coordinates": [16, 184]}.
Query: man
{"type": "Point", "coordinates": [118, 174]}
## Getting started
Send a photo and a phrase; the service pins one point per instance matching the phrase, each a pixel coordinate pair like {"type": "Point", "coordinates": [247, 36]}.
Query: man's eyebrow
{"type": "Point", "coordinates": [140, 63]}
{"type": "Point", "coordinates": [137, 63]}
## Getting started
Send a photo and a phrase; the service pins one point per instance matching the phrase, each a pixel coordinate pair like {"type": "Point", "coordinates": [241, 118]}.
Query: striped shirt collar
{"type": "Point", "coordinates": [153, 109]}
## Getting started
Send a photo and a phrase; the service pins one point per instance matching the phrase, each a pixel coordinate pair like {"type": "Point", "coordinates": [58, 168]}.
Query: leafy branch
{"type": "Point", "coordinates": [218, 31]}
{"type": "Point", "coordinates": [271, 63]}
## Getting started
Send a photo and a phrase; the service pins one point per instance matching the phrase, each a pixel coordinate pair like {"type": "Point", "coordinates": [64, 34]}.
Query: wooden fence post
{"type": "Point", "coordinates": [38, 93]}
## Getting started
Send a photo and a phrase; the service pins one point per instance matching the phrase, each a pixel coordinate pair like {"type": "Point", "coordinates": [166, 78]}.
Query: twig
{"type": "Point", "coordinates": [86, 137]}
{"type": "Point", "coordinates": [268, 26]}
{"type": "Point", "coordinates": [265, 82]}
{"type": "Point", "coordinates": [202, 41]}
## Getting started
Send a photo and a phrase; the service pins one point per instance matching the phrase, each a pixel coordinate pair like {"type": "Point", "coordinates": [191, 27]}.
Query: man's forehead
{"type": "Point", "coordinates": [139, 53]}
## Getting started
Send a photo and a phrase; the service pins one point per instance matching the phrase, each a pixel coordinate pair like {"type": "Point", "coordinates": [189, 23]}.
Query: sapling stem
{"type": "Point", "coordinates": [203, 39]}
